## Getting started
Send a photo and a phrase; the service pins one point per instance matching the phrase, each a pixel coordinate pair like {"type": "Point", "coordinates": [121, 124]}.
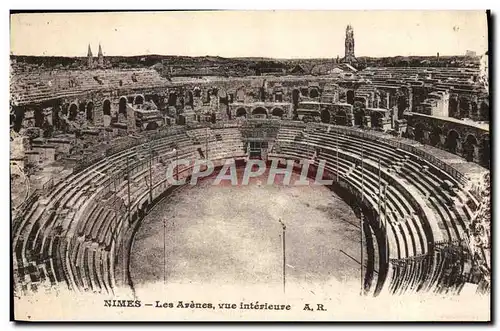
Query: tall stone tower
{"type": "Point", "coordinates": [100, 57]}
{"type": "Point", "coordinates": [349, 46]}
{"type": "Point", "coordinates": [90, 60]}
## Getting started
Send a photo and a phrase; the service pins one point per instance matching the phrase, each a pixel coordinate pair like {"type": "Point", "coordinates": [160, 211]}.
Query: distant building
{"type": "Point", "coordinates": [470, 53]}
{"type": "Point", "coordinates": [90, 59]}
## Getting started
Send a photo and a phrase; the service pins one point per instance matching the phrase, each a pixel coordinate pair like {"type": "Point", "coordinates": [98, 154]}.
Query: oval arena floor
{"type": "Point", "coordinates": [231, 235]}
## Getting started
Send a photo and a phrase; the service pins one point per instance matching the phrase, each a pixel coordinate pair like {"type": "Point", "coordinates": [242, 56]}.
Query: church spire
{"type": "Point", "coordinates": [89, 58]}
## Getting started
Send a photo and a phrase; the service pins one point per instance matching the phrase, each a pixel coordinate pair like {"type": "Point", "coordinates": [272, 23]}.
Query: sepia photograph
{"type": "Point", "coordinates": [229, 165]}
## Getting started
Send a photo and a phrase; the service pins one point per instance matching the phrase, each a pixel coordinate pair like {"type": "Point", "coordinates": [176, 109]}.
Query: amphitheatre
{"type": "Point", "coordinates": [407, 149]}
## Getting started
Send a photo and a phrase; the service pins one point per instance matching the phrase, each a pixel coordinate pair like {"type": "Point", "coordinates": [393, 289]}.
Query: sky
{"type": "Point", "coordinates": [276, 34]}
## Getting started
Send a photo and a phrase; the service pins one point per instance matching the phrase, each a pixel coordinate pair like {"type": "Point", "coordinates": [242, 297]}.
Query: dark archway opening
{"type": "Point", "coordinates": [259, 111]}
{"type": "Point", "coordinates": [485, 146]}
{"type": "Point", "coordinates": [139, 100]}
{"type": "Point", "coordinates": [435, 137]}
{"type": "Point", "coordinates": [313, 93]}
{"type": "Point", "coordinates": [240, 95]}
{"type": "Point", "coordinates": [325, 116]}
{"type": "Point", "coordinates": [65, 109]}
{"type": "Point", "coordinates": [452, 141]}
{"type": "Point", "coordinates": [375, 118]}
{"type": "Point", "coordinates": [90, 111]}
{"type": "Point", "coordinates": [18, 122]}
{"type": "Point", "coordinates": [73, 112]}
{"type": "Point", "coordinates": [106, 107]}
{"type": "Point", "coordinates": [55, 115]}
{"type": "Point", "coordinates": [304, 91]}
{"type": "Point", "coordinates": [350, 97]}
{"type": "Point", "coordinates": [197, 93]}
{"type": "Point", "coordinates": [295, 97]}
{"type": "Point", "coordinates": [190, 99]}
{"type": "Point", "coordinates": [152, 126]}
{"type": "Point", "coordinates": [453, 107]}
{"type": "Point", "coordinates": [484, 111]}
{"type": "Point", "coordinates": [241, 112]}
{"type": "Point", "coordinates": [469, 144]}
{"type": "Point", "coordinates": [278, 112]}
{"type": "Point", "coordinates": [419, 132]}
{"type": "Point", "coordinates": [172, 99]}
{"type": "Point", "coordinates": [122, 106]}
{"type": "Point", "coordinates": [358, 117]}
{"type": "Point", "coordinates": [341, 118]}
{"type": "Point", "coordinates": [464, 107]}
{"type": "Point", "coordinates": [402, 105]}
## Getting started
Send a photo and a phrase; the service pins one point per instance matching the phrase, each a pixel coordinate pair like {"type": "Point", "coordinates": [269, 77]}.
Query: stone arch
{"type": "Point", "coordinates": [313, 92]}
{"type": "Point", "coordinates": [278, 112]}
{"type": "Point", "coordinates": [106, 107]}
{"type": "Point", "coordinates": [122, 106]}
{"type": "Point", "coordinates": [359, 113]}
{"type": "Point", "coordinates": [139, 99]}
{"type": "Point", "coordinates": [152, 126]}
{"type": "Point", "coordinates": [435, 136]}
{"type": "Point", "coordinates": [452, 140]}
{"type": "Point", "coordinates": [90, 111]}
{"type": "Point", "coordinates": [222, 96]}
{"type": "Point", "coordinates": [190, 99]}
{"type": "Point", "coordinates": [350, 97]}
{"type": "Point", "coordinates": [341, 118]}
{"type": "Point", "coordinates": [419, 132]}
{"type": "Point", "coordinates": [73, 112]}
{"type": "Point", "coordinates": [197, 92]}
{"type": "Point", "coordinates": [241, 112]}
{"type": "Point", "coordinates": [325, 116]}
{"type": "Point", "coordinates": [259, 111]}
{"type": "Point", "coordinates": [468, 147]}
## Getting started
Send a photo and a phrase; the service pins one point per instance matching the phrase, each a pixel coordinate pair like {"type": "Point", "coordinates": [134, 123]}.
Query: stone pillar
{"type": "Point", "coordinates": [367, 121]}
{"type": "Point", "coordinates": [131, 125]}
{"type": "Point", "coordinates": [459, 148]}
{"type": "Point", "coordinates": [476, 155]}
